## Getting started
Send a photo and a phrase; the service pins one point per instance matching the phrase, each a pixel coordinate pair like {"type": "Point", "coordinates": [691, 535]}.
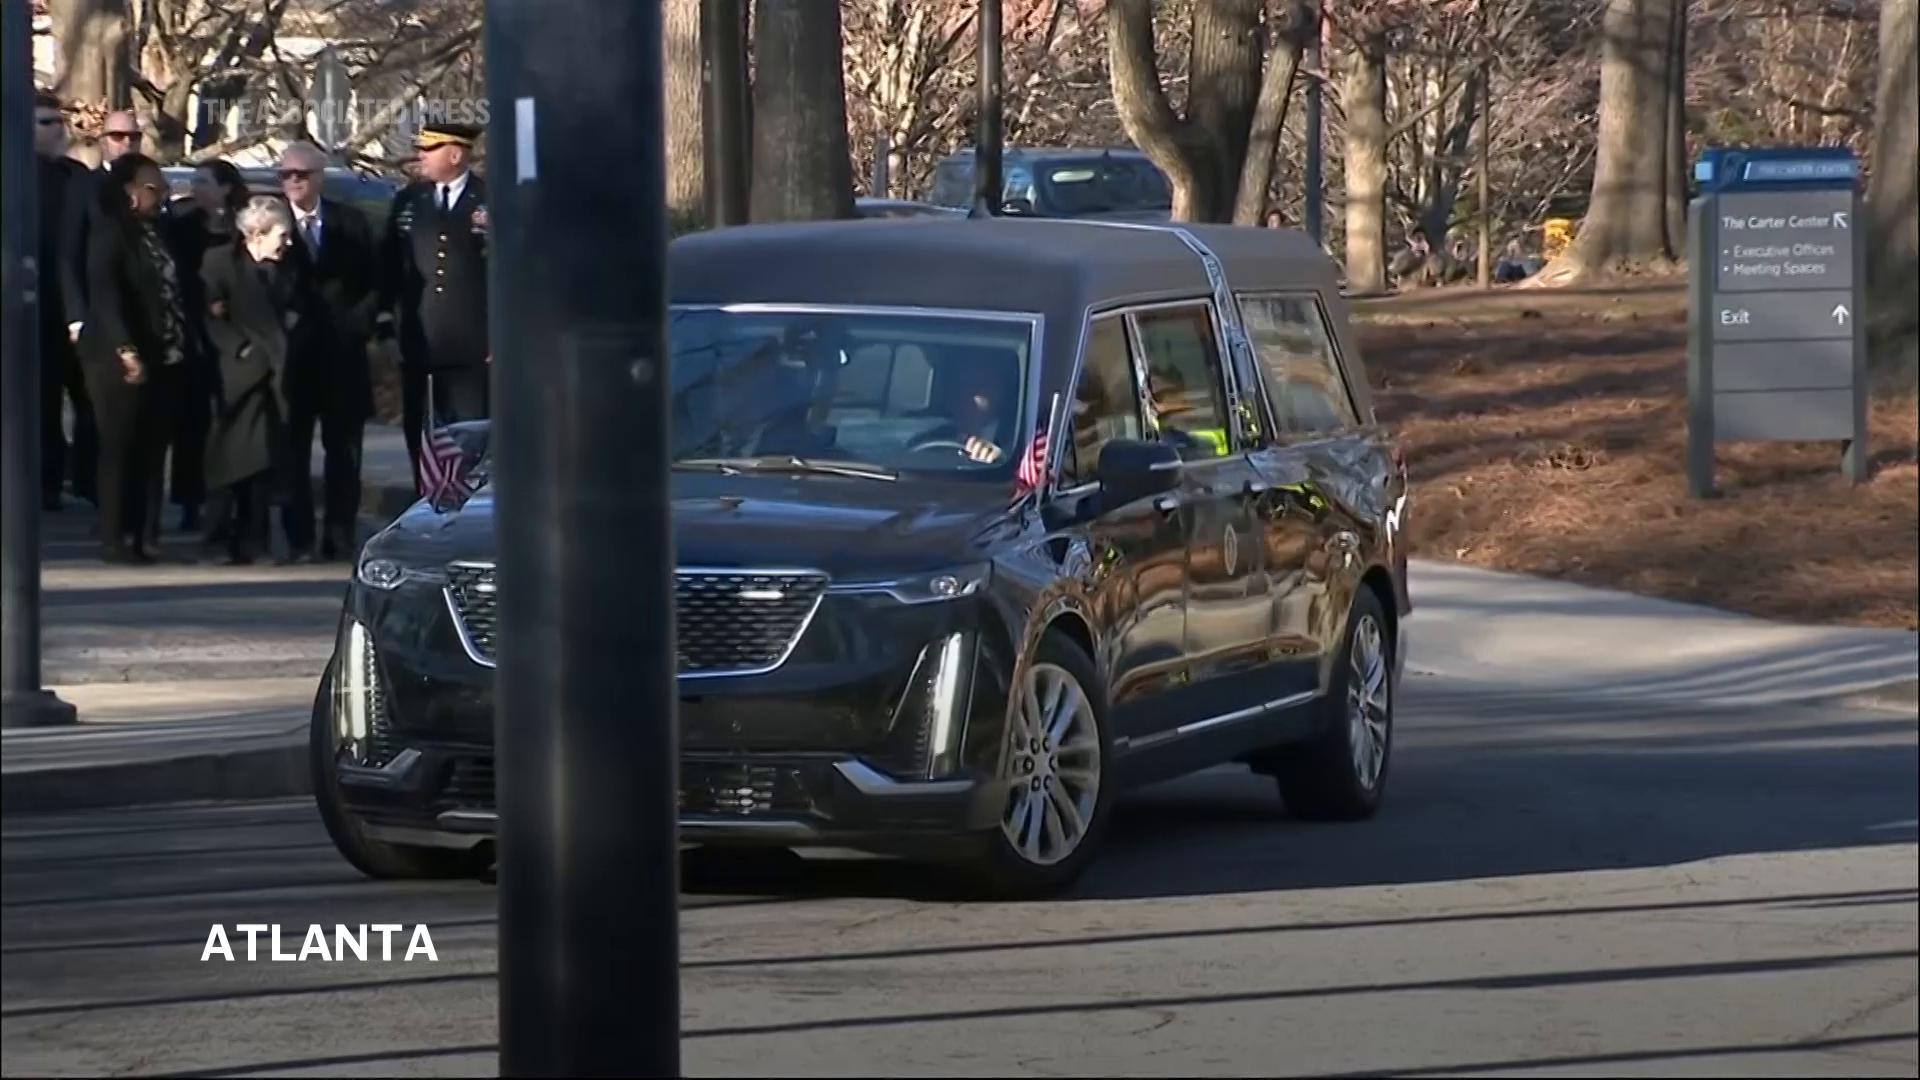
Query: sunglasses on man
{"type": "Point", "coordinates": [49, 121]}
{"type": "Point", "coordinates": [296, 174]}
{"type": "Point", "coordinates": [122, 136]}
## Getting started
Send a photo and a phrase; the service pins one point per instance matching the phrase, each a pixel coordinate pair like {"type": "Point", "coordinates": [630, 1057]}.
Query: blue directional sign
{"type": "Point", "coordinates": [1776, 344]}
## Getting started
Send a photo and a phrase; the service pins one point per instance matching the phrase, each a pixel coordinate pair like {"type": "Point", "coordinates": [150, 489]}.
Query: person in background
{"type": "Point", "coordinates": [133, 340]}
{"type": "Point", "coordinates": [434, 272]}
{"type": "Point", "coordinates": [1276, 220]}
{"type": "Point", "coordinates": [335, 391]}
{"type": "Point", "coordinates": [57, 177]}
{"type": "Point", "coordinates": [204, 225]}
{"type": "Point", "coordinates": [261, 317]}
{"type": "Point", "coordinates": [120, 135]}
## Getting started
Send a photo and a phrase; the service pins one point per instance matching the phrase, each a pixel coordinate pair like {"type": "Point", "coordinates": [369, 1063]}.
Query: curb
{"type": "Point", "coordinates": [262, 773]}
{"type": "Point", "coordinates": [1895, 697]}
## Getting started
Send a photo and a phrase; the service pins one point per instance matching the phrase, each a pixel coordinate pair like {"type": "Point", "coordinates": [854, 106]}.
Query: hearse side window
{"type": "Point", "coordinates": [1185, 387]}
{"type": "Point", "coordinates": [1297, 358]}
{"type": "Point", "coordinates": [1106, 404]}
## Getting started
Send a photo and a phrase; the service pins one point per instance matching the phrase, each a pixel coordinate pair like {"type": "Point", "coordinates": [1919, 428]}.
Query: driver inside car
{"type": "Point", "coordinates": [976, 410]}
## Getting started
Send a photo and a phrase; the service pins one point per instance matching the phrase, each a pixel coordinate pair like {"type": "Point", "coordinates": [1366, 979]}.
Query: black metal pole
{"type": "Point", "coordinates": [1316, 195]}
{"type": "Point", "coordinates": [585, 689]}
{"type": "Point", "coordinates": [23, 702]}
{"type": "Point", "coordinates": [986, 148]}
{"type": "Point", "coordinates": [724, 110]}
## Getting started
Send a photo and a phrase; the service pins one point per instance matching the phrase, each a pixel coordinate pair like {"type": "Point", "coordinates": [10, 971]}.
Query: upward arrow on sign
{"type": "Point", "coordinates": [1840, 314]}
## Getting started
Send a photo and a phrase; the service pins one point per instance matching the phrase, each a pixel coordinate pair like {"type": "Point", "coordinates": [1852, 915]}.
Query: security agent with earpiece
{"type": "Point", "coordinates": [435, 260]}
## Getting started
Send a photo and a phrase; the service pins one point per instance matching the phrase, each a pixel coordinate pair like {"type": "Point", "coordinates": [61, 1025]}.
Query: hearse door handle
{"type": "Point", "coordinates": [1167, 504]}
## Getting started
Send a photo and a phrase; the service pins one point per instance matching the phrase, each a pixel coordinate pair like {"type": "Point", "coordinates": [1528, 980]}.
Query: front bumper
{"type": "Point", "coordinates": [443, 797]}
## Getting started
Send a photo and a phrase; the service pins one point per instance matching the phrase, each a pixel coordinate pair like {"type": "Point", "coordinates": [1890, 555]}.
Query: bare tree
{"type": "Point", "coordinates": [686, 160]}
{"type": "Point", "coordinates": [1365, 100]}
{"type": "Point", "coordinates": [94, 61]}
{"type": "Point", "coordinates": [801, 170]}
{"type": "Point", "coordinates": [1627, 224]}
{"type": "Point", "coordinates": [1892, 209]}
{"type": "Point", "coordinates": [1205, 152]}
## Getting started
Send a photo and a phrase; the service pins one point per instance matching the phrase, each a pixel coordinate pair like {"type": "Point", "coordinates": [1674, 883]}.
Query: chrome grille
{"type": "Point", "coordinates": [740, 622]}
{"type": "Point", "coordinates": [471, 589]}
{"type": "Point", "coordinates": [727, 621]}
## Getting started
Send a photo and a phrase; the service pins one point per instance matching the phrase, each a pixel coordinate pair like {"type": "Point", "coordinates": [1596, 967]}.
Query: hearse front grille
{"type": "Point", "coordinates": [728, 622]}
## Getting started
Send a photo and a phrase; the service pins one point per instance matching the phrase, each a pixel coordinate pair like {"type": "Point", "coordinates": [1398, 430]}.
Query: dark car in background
{"type": "Point", "coordinates": [371, 194]}
{"type": "Point", "coordinates": [1098, 184]}
{"type": "Point", "coordinates": [960, 554]}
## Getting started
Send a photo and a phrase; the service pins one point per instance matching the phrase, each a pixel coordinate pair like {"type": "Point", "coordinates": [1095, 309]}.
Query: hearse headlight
{"type": "Point", "coordinates": [932, 588]}
{"type": "Point", "coordinates": [389, 574]}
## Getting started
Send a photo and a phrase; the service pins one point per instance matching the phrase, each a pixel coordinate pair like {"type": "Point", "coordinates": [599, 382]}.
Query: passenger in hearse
{"type": "Point", "coordinates": [978, 401]}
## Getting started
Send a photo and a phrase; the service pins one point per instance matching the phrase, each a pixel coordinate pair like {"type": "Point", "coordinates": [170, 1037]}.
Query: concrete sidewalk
{"type": "Point", "coordinates": [196, 682]}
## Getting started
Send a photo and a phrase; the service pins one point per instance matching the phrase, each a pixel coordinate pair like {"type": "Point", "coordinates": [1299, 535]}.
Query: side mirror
{"type": "Point", "coordinates": [1017, 207]}
{"type": "Point", "coordinates": [1131, 470]}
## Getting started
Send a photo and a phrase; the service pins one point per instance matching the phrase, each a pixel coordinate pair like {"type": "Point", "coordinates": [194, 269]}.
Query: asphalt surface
{"type": "Point", "coordinates": [1565, 888]}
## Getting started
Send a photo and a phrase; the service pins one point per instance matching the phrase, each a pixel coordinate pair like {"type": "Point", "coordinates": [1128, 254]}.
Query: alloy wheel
{"type": "Point", "coordinates": [1369, 701]}
{"type": "Point", "coordinates": [1054, 755]}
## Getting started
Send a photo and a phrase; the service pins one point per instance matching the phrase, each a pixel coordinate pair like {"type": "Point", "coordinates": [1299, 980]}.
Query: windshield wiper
{"type": "Point", "coordinates": [791, 463]}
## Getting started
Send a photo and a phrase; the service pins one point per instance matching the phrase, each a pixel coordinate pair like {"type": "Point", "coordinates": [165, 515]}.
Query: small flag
{"type": "Point", "coordinates": [443, 468]}
{"type": "Point", "coordinates": [1033, 467]}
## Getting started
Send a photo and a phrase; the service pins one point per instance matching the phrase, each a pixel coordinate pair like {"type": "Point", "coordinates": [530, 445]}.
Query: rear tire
{"type": "Point", "coordinates": [1341, 774]}
{"type": "Point", "coordinates": [374, 858]}
{"type": "Point", "coordinates": [1056, 815]}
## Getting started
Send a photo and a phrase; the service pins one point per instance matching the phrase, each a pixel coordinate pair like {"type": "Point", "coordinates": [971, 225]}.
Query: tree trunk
{"type": "Point", "coordinates": [1223, 91]}
{"type": "Point", "coordinates": [1676, 145]}
{"type": "Point", "coordinates": [1893, 260]}
{"type": "Point", "coordinates": [1366, 161]}
{"type": "Point", "coordinates": [801, 170]}
{"type": "Point", "coordinates": [92, 38]}
{"type": "Point", "coordinates": [1145, 114]}
{"type": "Point", "coordinates": [686, 160]}
{"type": "Point", "coordinates": [1270, 115]}
{"type": "Point", "coordinates": [1626, 223]}
{"type": "Point", "coordinates": [1448, 163]}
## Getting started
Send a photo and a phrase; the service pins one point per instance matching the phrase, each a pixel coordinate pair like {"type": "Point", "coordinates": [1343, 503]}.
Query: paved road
{"type": "Point", "coordinates": [1554, 889]}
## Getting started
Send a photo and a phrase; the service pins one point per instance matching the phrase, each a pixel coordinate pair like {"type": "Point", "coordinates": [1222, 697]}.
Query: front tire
{"type": "Point", "coordinates": [1342, 774]}
{"type": "Point", "coordinates": [374, 858]}
{"type": "Point", "coordinates": [1060, 795]}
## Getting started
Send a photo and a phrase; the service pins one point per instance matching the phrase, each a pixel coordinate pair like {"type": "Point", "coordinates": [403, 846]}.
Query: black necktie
{"type": "Point", "coordinates": [446, 198]}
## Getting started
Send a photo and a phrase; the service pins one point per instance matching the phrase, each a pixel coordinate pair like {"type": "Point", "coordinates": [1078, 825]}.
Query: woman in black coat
{"type": "Point", "coordinates": [260, 318]}
{"type": "Point", "coordinates": [134, 342]}
{"type": "Point", "coordinates": [199, 226]}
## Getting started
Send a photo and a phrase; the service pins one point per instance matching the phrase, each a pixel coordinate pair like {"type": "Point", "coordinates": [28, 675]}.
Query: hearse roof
{"type": "Point", "coordinates": [1059, 269]}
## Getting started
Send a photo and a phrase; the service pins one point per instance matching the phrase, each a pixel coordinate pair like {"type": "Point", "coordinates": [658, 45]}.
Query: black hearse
{"type": "Point", "coordinates": [978, 522]}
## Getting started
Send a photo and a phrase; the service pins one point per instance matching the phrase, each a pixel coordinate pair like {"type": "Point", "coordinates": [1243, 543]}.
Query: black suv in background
{"type": "Point", "coordinates": [1110, 184]}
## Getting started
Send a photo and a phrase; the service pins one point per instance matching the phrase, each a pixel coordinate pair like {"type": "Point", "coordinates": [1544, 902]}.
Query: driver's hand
{"type": "Point", "coordinates": [981, 450]}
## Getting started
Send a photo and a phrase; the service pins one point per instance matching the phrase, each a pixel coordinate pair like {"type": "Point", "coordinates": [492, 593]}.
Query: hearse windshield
{"type": "Point", "coordinates": [869, 394]}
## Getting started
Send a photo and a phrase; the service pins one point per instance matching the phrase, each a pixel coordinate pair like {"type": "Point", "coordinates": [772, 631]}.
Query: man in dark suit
{"type": "Point", "coordinates": [335, 391]}
{"type": "Point", "coordinates": [435, 261]}
{"type": "Point", "coordinates": [58, 178]}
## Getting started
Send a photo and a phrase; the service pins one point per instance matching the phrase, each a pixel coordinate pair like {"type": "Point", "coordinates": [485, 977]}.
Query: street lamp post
{"type": "Point", "coordinates": [23, 701]}
{"type": "Point", "coordinates": [986, 147]}
{"type": "Point", "coordinates": [585, 687]}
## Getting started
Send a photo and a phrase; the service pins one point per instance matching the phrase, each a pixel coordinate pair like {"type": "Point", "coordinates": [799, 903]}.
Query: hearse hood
{"type": "Point", "coordinates": [854, 529]}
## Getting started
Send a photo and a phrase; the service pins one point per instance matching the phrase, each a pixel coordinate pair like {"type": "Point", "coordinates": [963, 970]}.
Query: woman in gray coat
{"type": "Point", "coordinates": [260, 317]}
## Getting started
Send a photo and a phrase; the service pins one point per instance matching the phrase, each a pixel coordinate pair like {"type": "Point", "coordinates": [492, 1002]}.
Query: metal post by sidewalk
{"type": "Point", "coordinates": [723, 105]}
{"type": "Point", "coordinates": [986, 146]}
{"type": "Point", "coordinates": [585, 687]}
{"type": "Point", "coordinates": [23, 701]}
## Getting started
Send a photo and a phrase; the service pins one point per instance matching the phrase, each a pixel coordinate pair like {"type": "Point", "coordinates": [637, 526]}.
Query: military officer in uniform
{"type": "Point", "coordinates": [435, 256]}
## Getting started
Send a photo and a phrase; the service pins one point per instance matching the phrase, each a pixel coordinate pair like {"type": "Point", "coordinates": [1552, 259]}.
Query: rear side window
{"type": "Point", "coordinates": [1185, 385]}
{"type": "Point", "coordinates": [1106, 404]}
{"type": "Point", "coordinates": [1297, 359]}
{"type": "Point", "coordinates": [952, 184]}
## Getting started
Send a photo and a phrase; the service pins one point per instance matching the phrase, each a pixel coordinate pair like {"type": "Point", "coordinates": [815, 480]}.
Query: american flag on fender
{"type": "Point", "coordinates": [443, 467]}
